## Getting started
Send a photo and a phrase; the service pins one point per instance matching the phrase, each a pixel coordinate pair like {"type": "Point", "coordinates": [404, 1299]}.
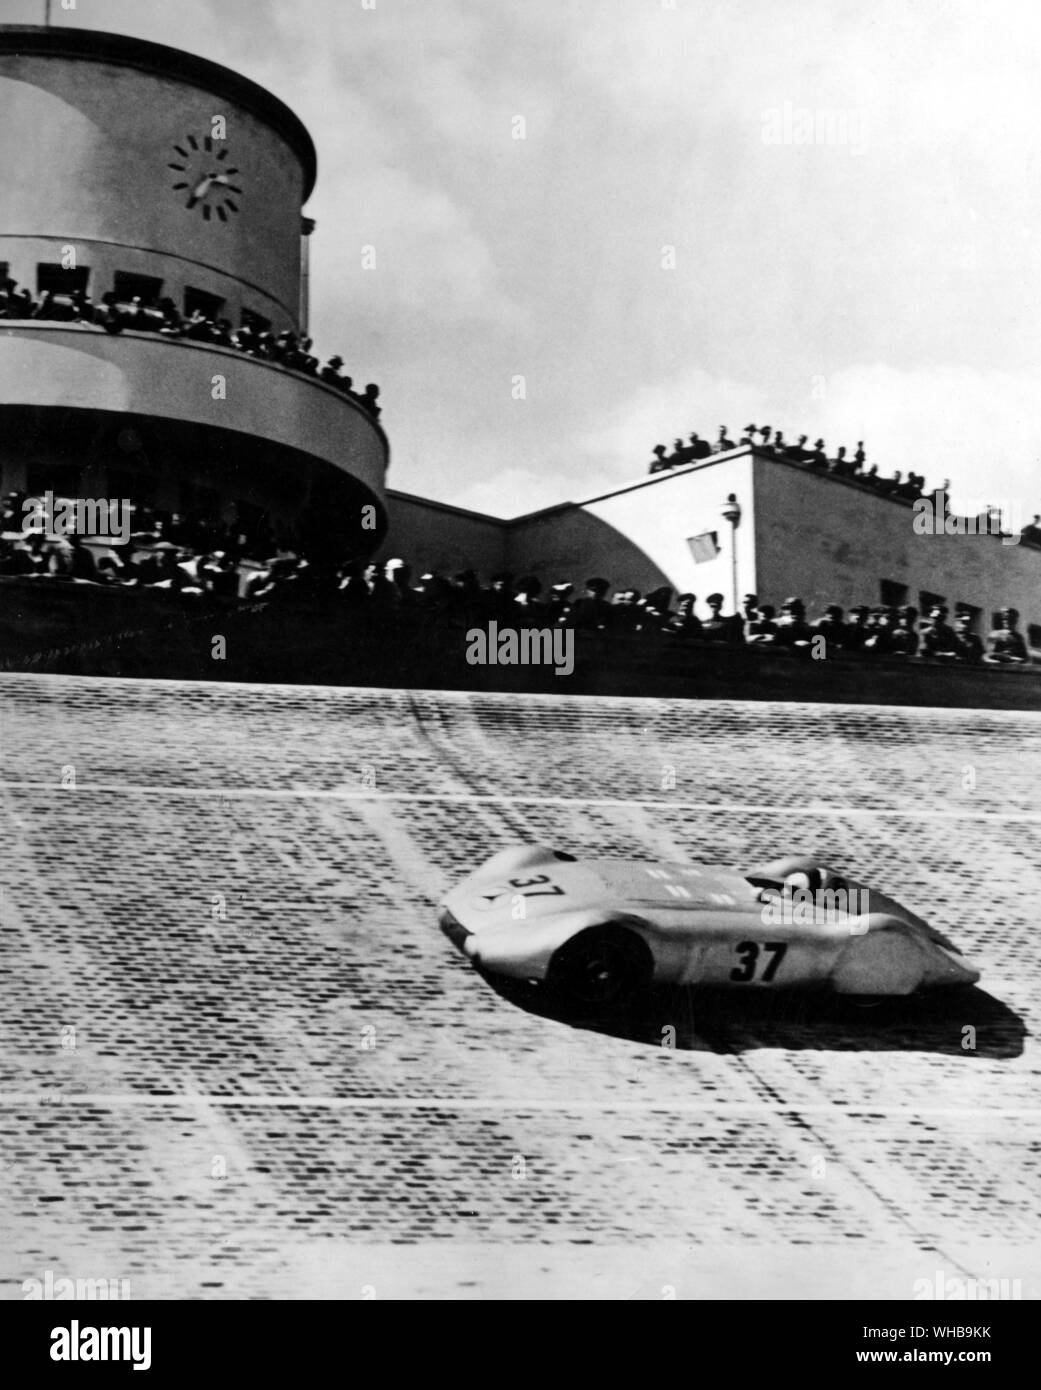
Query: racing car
{"type": "Point", "coordinates": [597, 932]}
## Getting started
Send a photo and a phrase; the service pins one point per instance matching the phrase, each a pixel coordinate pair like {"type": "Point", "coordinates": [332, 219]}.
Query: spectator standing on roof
{"type": "Point", "coordinates": [660, 461]}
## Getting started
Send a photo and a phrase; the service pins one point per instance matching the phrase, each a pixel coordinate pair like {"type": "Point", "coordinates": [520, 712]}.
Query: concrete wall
{"type": "Point", "coordinates": [829, 540]}
{"type": "Point", "coordinates": [434, 536]}
{"type": "Point", "coordinates": [638, 536]}
{"type": "Point", "coordinates": [95, 140]}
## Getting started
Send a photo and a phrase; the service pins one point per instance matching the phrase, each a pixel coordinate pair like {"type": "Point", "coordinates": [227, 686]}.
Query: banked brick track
{"type": "Point", "coordinates": [239, 1059]}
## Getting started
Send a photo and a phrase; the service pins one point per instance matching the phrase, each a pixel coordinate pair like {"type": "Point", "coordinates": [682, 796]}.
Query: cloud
{"type": "Point", "coordinates": [976, 427]}
{"type": "Point", "coordinates": [509, 492]}
{"type": "Point", "coordinates": [426, 256]}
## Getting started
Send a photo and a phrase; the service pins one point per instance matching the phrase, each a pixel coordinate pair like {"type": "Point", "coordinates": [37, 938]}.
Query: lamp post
{"type": "Point", "coordinates": [732, 513]}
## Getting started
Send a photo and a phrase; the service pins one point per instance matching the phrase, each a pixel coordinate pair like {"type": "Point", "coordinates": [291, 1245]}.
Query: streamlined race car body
{"type": "Point", "coordinates": [597, 931]}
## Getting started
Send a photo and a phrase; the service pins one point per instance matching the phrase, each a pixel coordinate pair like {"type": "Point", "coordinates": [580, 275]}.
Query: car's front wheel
{"type": "Point", "coordinates": [600, 967]}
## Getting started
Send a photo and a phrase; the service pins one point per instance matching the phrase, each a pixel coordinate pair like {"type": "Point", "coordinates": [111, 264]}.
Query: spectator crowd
{"type": "Point", "coordinates": [201, 557]}
{"type": "Point", "coordinates": [162, 316]}
{"type": "Point", "coordinates": [814, 457]}
{"type": "Point", "coordinates": [766, 440]}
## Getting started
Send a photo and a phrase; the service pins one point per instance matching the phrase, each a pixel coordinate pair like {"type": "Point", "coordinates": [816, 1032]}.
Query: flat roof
{"type": "Point", "coordinates": [95, 45]}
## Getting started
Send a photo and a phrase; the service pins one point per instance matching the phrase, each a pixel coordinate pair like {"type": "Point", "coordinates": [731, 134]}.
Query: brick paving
{"type": "Point", "coordinates": [237, 1058]}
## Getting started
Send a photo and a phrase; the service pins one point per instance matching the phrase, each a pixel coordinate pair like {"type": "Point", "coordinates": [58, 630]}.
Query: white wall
{"type": "Point", "coordinates": [637, 536]}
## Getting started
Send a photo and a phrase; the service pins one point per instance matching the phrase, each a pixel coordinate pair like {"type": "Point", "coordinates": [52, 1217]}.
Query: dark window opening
{"type": "Point", "coordinates": [257, 322]}
{"type": "Point", "coordinates": [974, 614]}
{"type": "Point", "coordinates": [892, 594]}
{"type": "Point", "coordinates": [198, 301]}
{"type": "Point", "coordinates": [129, 287]}
{"type": "Point", "coordinates": [55, 279]}
{"type": "Point", "coordinates": [926, 601]}
{"type": "Point", "coordinates": [1034, 634]}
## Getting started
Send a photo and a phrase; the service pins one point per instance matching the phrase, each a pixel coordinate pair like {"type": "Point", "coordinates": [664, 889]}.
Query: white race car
{"type": "Point", "coordinates": [598, 931]}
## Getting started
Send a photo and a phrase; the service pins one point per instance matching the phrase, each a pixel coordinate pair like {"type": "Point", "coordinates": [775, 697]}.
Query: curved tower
{"type": "Point", "coordinates": [146, 173]}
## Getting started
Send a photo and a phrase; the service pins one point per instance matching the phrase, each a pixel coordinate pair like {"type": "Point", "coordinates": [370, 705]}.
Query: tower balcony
{"type": "Point", "coordinates": [175, 423]}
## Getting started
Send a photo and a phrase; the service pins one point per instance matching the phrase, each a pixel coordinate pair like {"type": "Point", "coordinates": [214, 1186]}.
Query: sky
{"type": "Point", "coordinates": [600, 224]}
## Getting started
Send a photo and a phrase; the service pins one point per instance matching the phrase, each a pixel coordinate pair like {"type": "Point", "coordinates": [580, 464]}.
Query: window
{"type": "Point", "coordinates": [926, 601]}
{"type": "Point", "coordinates": [974, 614]}
{"type": "Point", "coordinates": [1034, 634]}
{"type": "Point", "coordinates": [55, 279]}
{"type": "Point", "coordinates": [892, 594]}
{"type": "Point", "coordinates": [257, 322]}
{"type": "Point", "coordinates": [198, 301]}
{"type": "Point", "coordinates": [129, 287]}
{"type": "Point", "coordinates": [5, 272]}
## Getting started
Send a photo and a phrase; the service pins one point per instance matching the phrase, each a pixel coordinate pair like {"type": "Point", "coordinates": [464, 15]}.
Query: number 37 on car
{"type": "Point", "coordinates": [596, 932]}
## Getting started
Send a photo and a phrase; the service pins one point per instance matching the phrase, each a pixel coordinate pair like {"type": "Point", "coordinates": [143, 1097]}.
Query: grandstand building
{"type": "Point", "coordinates": [740, 522]}
{"type": "Point", "coordinates": [149, 174]}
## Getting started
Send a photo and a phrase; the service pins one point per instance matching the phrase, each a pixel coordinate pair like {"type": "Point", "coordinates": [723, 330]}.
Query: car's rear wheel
{"type": "Point", "coordinates": [600, 967]}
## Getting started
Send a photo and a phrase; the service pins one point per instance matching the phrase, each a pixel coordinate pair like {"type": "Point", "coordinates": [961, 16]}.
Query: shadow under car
{"type": "Point", "coordinates": [734, 1021]}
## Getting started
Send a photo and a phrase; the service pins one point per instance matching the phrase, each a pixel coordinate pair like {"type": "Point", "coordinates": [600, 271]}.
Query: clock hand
{"type": "Point", "coordinates": [200, 190]}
